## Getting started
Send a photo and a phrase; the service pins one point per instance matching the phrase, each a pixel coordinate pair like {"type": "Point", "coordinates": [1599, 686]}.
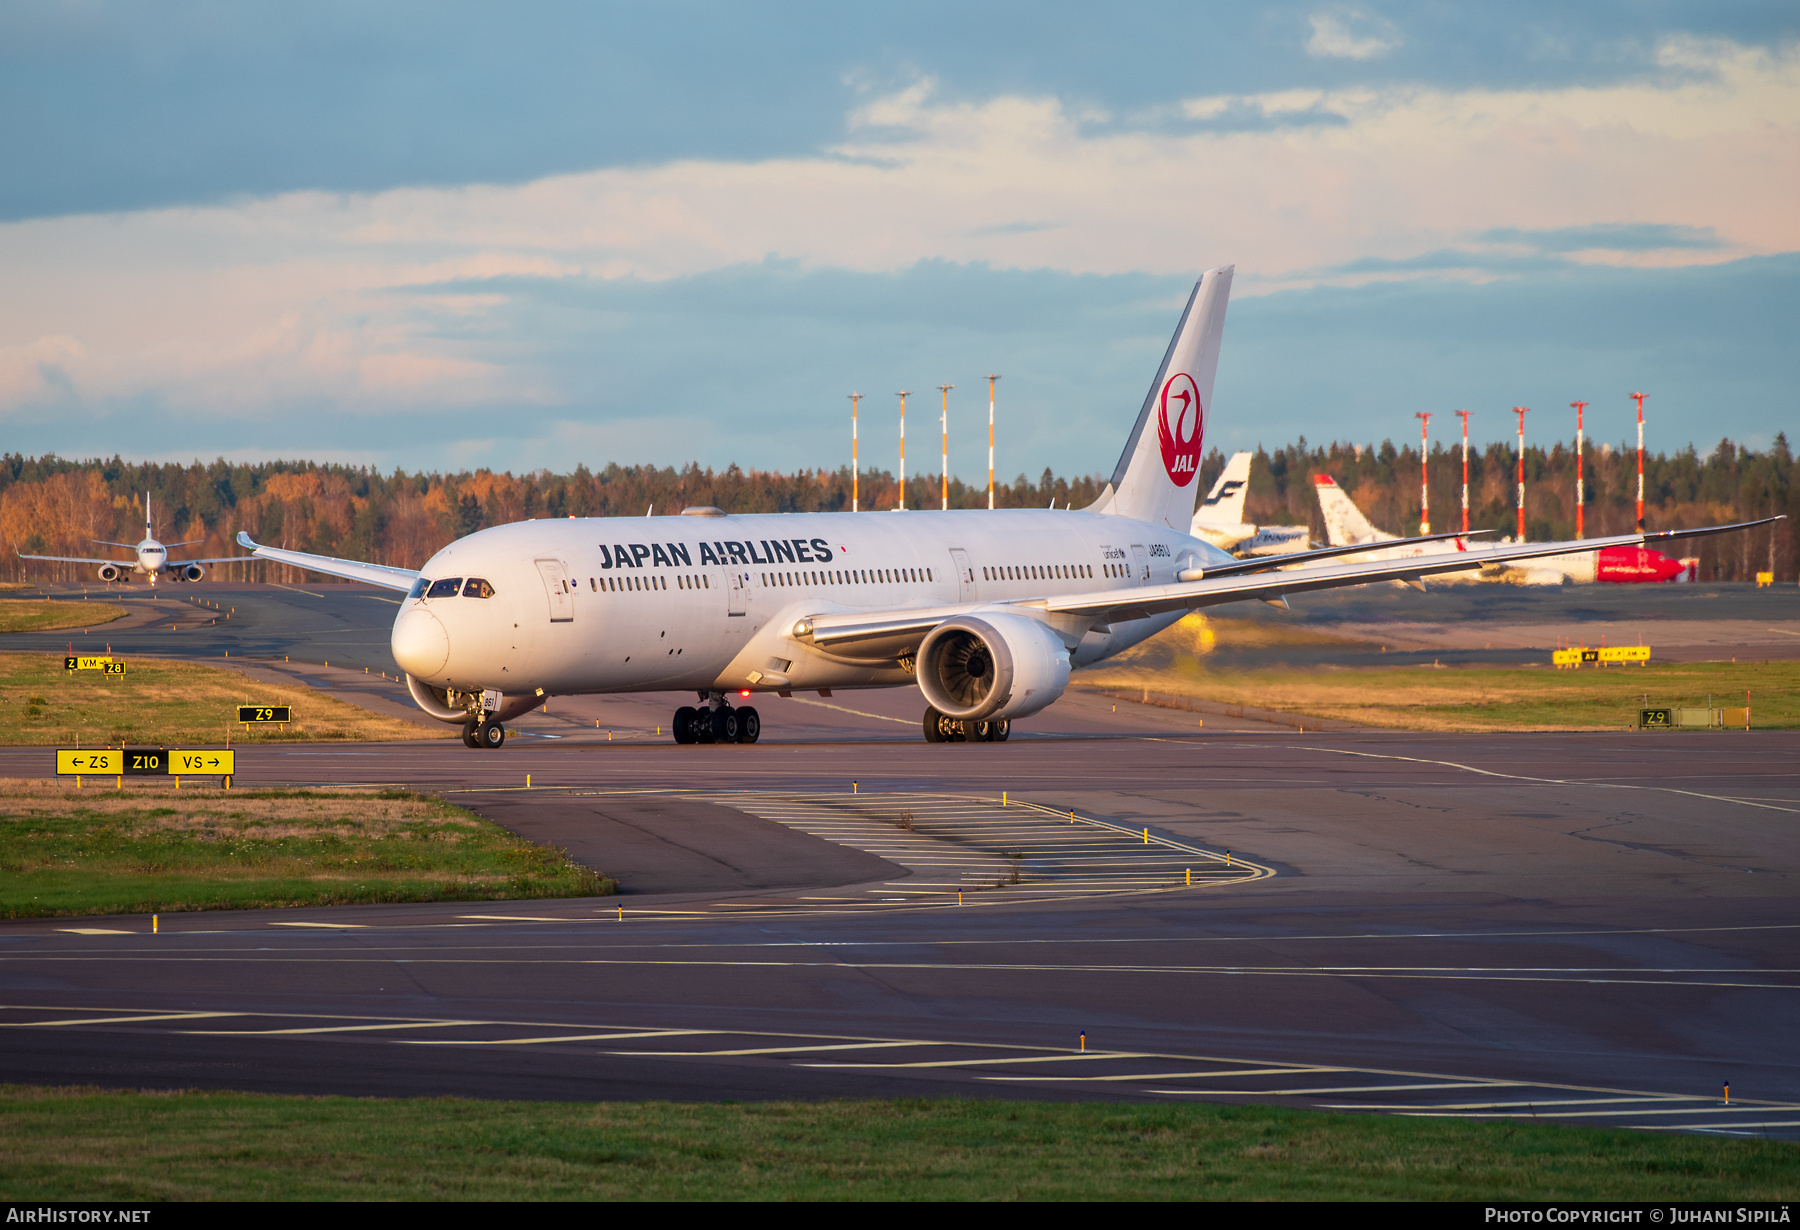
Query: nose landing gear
{"type": "Point", "coordinates": [716, 722]}
{"type": "Point", "coordinates": [486, 733]}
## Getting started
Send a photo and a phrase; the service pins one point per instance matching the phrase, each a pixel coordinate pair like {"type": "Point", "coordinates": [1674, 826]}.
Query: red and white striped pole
{"type": "Point", "coordinates": [1424, 417]}
{"type": "Point", "coordinates": [1580, 489]}
{"type": "Point", "coordinates": [1464, 416]}
{"type": "Point", "coordinates": [855, 465]}
{"type": "Point", "coordinates": [1521, 411]}
{"type": "Point", "coordinates": [903, 395]}
{"type": "Point", "coordinates": [991, 379]}
{"type": "Point", "coordinates": [1639, 398]}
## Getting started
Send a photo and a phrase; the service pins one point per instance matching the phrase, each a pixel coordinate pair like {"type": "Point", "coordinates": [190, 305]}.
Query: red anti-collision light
{"type": "Point", "coordinates": [745, 692]}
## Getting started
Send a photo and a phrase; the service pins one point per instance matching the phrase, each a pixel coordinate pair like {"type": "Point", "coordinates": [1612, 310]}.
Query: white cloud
{"type": "Point", "coordinates": [1351, 34]}
{"type": "Point", "coordinates": [267, 303]}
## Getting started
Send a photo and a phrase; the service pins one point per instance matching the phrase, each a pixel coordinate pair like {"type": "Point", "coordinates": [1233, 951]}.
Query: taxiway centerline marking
{"type": "Point", "coordinates": [116, 1020]}
{"type": "Point", "coordinates": [1175, 1076]}
{"type": "Point", "coordinates": [325, 925]}
{"type": "Point", "coordinates": [611, 1037]}
{"type": "Point", "coordinates": [781, 1050]}
{"type": "Point", "coordinates": [1296, 1093]}
{"type": "Point", "coordinates": [1072, 1057]}
{"type": "Point", "coordinates": [325, 1029]}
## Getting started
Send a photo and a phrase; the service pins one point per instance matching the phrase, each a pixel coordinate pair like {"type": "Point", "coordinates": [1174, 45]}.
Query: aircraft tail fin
{"type": "Point", "coordinates": [1224, 504]}
{"type": "Point", "coordinates": [1154, 480]}
{"type": "Point", "coordinates": [1345, 524]}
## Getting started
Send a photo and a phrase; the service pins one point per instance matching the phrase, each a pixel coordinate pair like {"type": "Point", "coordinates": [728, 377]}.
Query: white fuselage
{"type": "Point", "coordinates": [709, 603]}
{"type": "Point", "coordinates": [152, 556]}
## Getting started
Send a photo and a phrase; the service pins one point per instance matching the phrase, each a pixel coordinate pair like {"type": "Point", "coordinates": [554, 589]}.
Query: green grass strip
{"type": "Point", "coordinates": [87, 1144]}
{"type": "Point", "coordinates": [155, 849]}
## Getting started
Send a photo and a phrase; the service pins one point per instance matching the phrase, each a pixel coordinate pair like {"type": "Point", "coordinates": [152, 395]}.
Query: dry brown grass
{"type": "Point", "coordinates": [1181, 662]}
{"type": "Point", "coordinates": [160, 702]}
{"type": "Point", "coordinates": [201, 809]}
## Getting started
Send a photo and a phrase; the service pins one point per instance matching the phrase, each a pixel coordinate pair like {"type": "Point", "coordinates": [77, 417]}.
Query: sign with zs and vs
{"type": "Point", "coordinates": [147, 762]}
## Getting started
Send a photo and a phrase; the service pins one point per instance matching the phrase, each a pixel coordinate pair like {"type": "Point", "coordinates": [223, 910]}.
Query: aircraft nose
{"type": "Point", "coordinates": [420, 644]}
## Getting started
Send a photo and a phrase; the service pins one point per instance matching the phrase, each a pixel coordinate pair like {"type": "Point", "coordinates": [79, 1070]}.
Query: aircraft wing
{"type": "Point", "coordinates": [78, 559]}
{"type": "Point", "coordinates": [349, 569]}
{"type": "Point", "coordinates": [1298, 558]}
{"type": "Point", "coordinates": [890, 634]}
{"type": "Point", "coordinates": [1144, 601]}
{"type": "Point", "coordinates": [220, 559]}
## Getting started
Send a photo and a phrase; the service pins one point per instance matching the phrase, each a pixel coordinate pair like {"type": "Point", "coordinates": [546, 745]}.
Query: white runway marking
{"type": "Point", "coordinates": [1554, 781]}
{"type": "Point", "coordinates": [1151, 1073]}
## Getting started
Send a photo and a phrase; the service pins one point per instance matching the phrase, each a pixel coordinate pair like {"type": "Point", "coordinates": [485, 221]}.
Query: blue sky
{"type": "Point", "coordinates": [532, 235]}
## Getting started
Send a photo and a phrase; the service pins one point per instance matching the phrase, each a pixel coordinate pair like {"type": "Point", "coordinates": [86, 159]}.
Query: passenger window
{"type": "Point", "coordinates": [477, 588]}
{"type": "Point", "coordinates": [444, 589]}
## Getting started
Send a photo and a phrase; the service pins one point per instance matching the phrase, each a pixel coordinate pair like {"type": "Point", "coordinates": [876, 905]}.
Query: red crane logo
{"type": "Point", "coordinates": [1179, 428]}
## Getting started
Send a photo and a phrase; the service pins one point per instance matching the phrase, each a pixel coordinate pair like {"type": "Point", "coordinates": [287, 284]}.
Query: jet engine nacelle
{"type": "Point", "coordinates": [436, 702]}
{"type": "Point", "coordinates": [110, 572]}
{"type": "Point", "coordinates": [976, 667]}
{"type": "Point", "coordinates": [193, 572]}
{"type": "Point", "coordinates": [459, 707]}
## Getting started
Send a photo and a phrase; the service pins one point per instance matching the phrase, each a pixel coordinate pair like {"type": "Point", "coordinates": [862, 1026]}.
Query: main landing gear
{"type": "Point", "coordinates": [942, 729]}
{"type": "Point", "coordinates": [484, 733]}
{"type": "Point", "coordinates": [716, 722]}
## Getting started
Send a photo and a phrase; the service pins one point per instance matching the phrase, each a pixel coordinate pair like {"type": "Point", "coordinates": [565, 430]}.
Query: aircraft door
{"type": "Point", "coordinates": [559, 589]}
{"type": "Point", "coordinates": [965, 575]}
{"type": "Point", "coordinates": [737, 586]}
{"type": "Point", "coordinates": [1140, 561]}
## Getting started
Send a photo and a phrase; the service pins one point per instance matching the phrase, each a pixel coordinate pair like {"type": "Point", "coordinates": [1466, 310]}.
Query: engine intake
{"type": "Point", "coordinates": [109, 572]}
{"type": "Point", "coordinates": [976, 667]}
{"type": "Point", "coordinates": [193, 572]}
{"type": "Point", "coordinates": [437, 702]}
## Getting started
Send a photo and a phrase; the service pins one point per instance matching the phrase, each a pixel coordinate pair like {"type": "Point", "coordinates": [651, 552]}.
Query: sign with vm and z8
{"type": "Point", "coordinates": [106, 665]}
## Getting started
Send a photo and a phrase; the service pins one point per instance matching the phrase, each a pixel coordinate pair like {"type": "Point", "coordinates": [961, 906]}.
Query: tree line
{"type": "Point", "coordinates": [54, 506]}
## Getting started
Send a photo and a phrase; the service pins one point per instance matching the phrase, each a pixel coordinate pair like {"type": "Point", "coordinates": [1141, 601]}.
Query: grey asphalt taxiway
{"type": "Point", "coordinates": [1594, 928]}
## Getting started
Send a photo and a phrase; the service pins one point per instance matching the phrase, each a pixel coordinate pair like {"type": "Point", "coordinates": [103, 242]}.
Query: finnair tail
{"type": "Point", "coordinates": [1344, 523]}
{"type": "Point", "coordinates": [1224, 504]}
{"type": "Point", "coordinates": [1154, 480]}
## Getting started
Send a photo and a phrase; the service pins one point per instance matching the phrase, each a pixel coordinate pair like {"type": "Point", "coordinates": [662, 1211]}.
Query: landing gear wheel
{"type": "Point", "coordinates": [490, 734]}
{"type": "Point", "coordinates": [683, 726]}
{"type": "Point", "coordinates": [942, 729]}
{"type": "Point", "coordinates": [469, 729]}
{"type": "Point", "coordinates": [934, 731]}
{"type": "Point", "coordinates": [749, 725]}
{"type": "Point", "coordinates": [724, 725]}
{"type": "Point", "coordinates": [994, 730]}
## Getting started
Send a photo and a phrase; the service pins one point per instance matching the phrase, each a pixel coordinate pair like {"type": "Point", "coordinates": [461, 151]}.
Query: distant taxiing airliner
{"type": "Point", "coordinates": [984, 611]}
{"type": "Point", "coordinates": [1220, 518]}
{"type": "Point", "coordinates": [152, 558]}
{"type": "Point", "coordinates": [1345, 525]}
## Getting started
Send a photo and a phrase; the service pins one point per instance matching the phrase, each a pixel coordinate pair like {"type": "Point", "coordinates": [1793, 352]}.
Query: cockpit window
{"type": "Point", "coordinates": [477, 588]}
{"type": "Point", "coordinates": [418, 588]}
{"type": "Point", "coordinates": [444, 589]}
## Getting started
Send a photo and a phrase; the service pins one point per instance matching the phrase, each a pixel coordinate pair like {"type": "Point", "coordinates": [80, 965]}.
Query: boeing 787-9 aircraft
{"type": "Point", "coordinates": [984, 611]}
